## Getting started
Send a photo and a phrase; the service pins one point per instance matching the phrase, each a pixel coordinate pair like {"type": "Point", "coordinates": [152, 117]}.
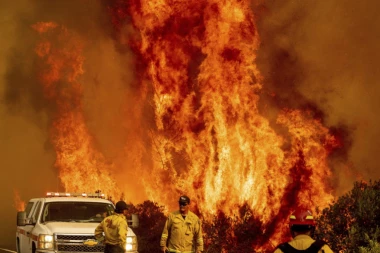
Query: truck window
{"type": "Point", "coordinates": [36, 212]}
{"type": "Point", "coordinates": [28, 208]}
{"type": "Point", "coordinates": [76, 211]}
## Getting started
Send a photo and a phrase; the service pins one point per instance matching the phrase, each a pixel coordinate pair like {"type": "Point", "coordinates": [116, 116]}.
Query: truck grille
{"type": "Point", "coordinates": [80, 248]}
{"type": "Point", "coordinates": [75, 237]}
{"type": "Point", "coordinates": [76, 243]}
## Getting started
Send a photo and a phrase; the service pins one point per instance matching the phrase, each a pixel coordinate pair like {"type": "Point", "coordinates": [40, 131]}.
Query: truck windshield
{"type": "Point", "coordinates": [76, 211]}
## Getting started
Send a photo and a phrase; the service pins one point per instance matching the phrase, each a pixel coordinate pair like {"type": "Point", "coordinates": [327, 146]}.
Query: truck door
{"type": "Point", "coordinates": [23, 239]}
{"type": "Point", "coordinates": [27, 236]}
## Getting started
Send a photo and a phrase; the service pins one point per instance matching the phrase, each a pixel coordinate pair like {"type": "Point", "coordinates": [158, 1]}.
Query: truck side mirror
{"type": "Point", "coordinates": [21, 218]}
{"type": "Point", "coordinates": [134, 221]}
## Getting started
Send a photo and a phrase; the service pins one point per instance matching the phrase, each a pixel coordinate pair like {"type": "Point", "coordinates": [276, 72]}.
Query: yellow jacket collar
{"type": "Point", "coordinates": [301, 237]}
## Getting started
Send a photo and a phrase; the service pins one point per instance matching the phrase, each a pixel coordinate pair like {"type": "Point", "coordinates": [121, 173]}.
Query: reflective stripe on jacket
{"type": "Point", "coordinates": [182, 235]}
{"type": "Point", "coordinates": [115, 230]}
{"type": "Point", "coordinates": [302, 242]}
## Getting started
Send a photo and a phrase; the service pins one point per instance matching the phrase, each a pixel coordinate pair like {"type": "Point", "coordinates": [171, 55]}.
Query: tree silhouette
{"type": "Point", "coordinates": [352, 223]}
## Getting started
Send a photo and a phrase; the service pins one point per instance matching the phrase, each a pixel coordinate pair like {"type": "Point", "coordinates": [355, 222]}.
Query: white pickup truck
{"type": "Point", "coordinates": [65, 222]}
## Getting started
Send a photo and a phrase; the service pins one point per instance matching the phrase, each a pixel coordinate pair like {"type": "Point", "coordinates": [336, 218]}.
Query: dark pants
{"type": "Point", "coordinates": [113, 249]}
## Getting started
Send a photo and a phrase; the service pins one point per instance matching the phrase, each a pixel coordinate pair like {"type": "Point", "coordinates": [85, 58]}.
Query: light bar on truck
{"type": "Point", "coordinates": [69, 194]}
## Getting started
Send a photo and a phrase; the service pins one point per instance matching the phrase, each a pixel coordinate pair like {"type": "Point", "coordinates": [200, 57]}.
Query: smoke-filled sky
{"type": "Point", "coordinates": [327, 53]}
{"type": "Point", "coordinates": [319, 54]}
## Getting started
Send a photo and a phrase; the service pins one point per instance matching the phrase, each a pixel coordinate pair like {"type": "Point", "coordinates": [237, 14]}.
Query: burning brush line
{"type": "Point", "coordinates": [196, 71]}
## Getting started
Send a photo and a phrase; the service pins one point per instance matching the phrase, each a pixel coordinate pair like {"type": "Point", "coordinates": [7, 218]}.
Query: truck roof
{"type": "Point", "coordinates": [72, 199]}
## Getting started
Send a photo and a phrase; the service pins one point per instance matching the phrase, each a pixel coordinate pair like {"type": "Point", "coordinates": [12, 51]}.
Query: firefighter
{"type": "Point", "coordinates": [302, 226]}
{"type": "Point", "coordinates": [115, 230]}
{"type": "Point", "coordinates": [183, 230]}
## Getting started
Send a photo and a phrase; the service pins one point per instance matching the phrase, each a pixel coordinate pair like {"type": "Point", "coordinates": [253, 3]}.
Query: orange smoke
{"type": "Point", "coordinates": [81, 167]}
{"type": "Point", "coordinates": [18, 203]}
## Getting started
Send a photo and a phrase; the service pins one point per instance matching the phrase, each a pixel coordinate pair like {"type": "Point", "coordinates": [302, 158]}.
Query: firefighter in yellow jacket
{"type": "Point", "coordinates": [115, 228]}
{"type": "Point", "coordinates": [183, 230]}
{"type": "Point", "coordinates": [302, 226]}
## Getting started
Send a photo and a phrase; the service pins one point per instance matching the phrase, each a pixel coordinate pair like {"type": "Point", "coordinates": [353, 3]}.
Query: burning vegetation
{"type": "Point", "coordinates": [61, 54]}
{"type": "Point", "coordinates": [19, 204]}
{"type": "Point", "coordinates": [194, 124]}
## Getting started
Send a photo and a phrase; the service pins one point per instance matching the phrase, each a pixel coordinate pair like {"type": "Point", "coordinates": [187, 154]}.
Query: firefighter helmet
{"type": "Point", "coordinates": [184, 200]}
{"type": "Point", "coordinates": [121, 206]}
{"type": "Point", "coordinates": [302, 219]}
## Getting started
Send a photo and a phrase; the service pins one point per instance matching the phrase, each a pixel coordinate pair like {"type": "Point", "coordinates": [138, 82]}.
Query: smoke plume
{"type": "Point", "coordinates": [324, 55]}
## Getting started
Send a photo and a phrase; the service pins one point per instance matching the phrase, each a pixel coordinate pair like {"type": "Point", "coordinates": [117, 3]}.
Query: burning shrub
{"type": "Point", "coordinates": [152, 221]}
{"type": "Point", "coordinates": [221, 233]}
{"type": "Point", "coordinates": [238, 234]}
{"type": "Point", "coordinates": [350, 224]}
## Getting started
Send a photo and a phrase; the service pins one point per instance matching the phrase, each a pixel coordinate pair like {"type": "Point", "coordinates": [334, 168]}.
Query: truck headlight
{"type": "Point", "coordinates": [131, 243]}
{"type": "Point", "coordinates": [45, 242]}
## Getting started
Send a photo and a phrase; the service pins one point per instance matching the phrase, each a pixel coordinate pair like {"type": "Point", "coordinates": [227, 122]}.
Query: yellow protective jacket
{"type": "Point", "coordinates": [182, 235]}
{"type": "Point", "coordinates": [302, 242]}
{"type": "Point", "coordinates": [115, 230]}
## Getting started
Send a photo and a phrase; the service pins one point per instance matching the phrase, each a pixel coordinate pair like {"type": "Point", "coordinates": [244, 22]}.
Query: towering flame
{"type": "Point", "coordinates": [209, 140]}
{"type": "Point", "coordinates": [81, 167]}
{"type": "Point", "coordinates": [196, 69]}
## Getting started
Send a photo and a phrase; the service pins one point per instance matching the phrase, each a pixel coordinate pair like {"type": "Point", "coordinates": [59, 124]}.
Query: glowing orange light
{"type": "Point", "coordinates": [18, 203]}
